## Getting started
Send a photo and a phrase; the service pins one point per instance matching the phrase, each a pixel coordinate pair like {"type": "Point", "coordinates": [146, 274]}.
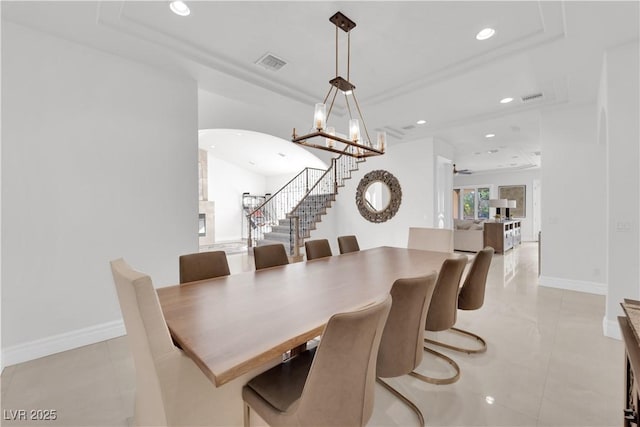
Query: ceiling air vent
{"type": "Point", "coordinates": [408, 127]}
{"type": "Point", "coordinates": [532, 97]}
{"type": "Point", "coordinates": [270, 62]}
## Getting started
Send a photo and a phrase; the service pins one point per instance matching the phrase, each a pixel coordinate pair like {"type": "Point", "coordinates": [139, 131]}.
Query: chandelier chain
{"type": "Point", "coordinates": [346, 100]}
{"type": "Point", "coordinates": [332, 101]}
{"type": "Point", "coordinates": [364, 125]}
{"type": "Point", "coordinates": [348, 55]}
{"type": "Point", "coordinates": [336, 51]}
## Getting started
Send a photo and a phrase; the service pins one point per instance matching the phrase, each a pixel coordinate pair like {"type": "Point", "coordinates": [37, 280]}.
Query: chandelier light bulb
{"type": "Point", "coordinates": [320, 117]}
{"type": "Point", "coordinates": [382, 141]}
{"type": "Point", "coordinates": [354, 130]}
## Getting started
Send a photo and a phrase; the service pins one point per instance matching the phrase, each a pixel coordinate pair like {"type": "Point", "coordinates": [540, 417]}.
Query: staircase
{"type": "Point", "coordinates": [290, 214]}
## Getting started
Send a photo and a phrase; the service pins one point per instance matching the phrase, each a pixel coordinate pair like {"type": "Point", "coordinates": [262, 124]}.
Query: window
{"type": "Point", "coordinates": [483, 202]}
{"type": "Point", "coordinates": [471, 202]}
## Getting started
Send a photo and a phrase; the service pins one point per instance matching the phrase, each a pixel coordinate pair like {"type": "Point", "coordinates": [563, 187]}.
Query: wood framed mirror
{"type": "Point", "coordinates": [378, 196]}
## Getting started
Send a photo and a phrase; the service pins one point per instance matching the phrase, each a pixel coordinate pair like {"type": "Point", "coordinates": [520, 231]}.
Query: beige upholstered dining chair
{"type": "Point", "coordinates": [348, 244]}
{"type": "Point", "coordinates": [170, 389]}
{"type": "Point", "coordinates": [203, 265]}
{"type": "Point", "coordinates": [471, 297]}
{"type": "Point", "coordinates": [430, 239]}
{"type": "Point", "coordinates": [334, 388]}
{"type": "Point", "coordinates": [270, 256]}
{"type": "Point", "coordinates": [317, 249]}
{"type": "Point", "coordinates": [442, 311]}
{"type": "Point", "coordinates": [401, 345]}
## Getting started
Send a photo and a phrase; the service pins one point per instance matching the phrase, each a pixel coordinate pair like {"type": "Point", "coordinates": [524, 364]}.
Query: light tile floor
{"type": "Point", "coordinates": [547, 364]}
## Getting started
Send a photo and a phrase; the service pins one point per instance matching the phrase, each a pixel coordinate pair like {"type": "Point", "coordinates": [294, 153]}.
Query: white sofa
{"type": "Point", "coordinates": [468, 235]}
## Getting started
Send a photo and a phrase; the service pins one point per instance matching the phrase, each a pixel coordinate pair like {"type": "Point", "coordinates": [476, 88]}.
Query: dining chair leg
{"type": "Point", "coordinates": [483, 343]}
{"type": "Point", "coordinates": [246, 409]}
{"type": "Point", "coordinates": [439, 381]}
{"type": "Point", "coordinates": [400, 396]}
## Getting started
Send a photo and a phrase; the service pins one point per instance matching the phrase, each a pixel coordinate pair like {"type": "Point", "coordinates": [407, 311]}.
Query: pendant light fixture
{"type": "Point", "coordinates": [356, 142]}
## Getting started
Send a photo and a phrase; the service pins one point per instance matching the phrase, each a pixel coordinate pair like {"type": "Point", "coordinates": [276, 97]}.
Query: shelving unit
{"type": "Point", "coordinates": [502, 235]}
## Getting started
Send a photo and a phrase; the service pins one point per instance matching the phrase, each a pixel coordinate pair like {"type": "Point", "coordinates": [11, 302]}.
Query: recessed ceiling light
{"type": "Point", "coordinates": [485, 33]}
{"type": "Point", "coordinates": [490, 400]}
{"type": "Point", "coordinates": [421, 122]}
{"type": "Point", "coordinates": [506, 100]}
{"type": "Point", "coordinates": [213, 146]}
{"type": "Point", "coordinates": [490, 135]}
{"type": "Point", "coordinates": [179, 8]}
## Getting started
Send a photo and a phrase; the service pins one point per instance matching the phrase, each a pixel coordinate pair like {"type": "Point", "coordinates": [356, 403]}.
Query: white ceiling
{"type": "Point", "coordinates": [410, 60]}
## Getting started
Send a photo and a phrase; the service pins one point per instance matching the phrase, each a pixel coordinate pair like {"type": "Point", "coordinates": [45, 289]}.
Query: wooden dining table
{"type": "Point", "coordinates": [231, 325]}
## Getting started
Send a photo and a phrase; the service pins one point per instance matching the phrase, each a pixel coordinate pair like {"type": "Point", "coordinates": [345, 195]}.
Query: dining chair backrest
{"type": "Point", "coordinates": [148, 337]}
{"type": "Point", "coordinates": [444, 303]}
{"type": "Point", "coordinates": [402, 340]}
{"type": "Point", "coordinates": [270, 256]}
{"type": "Point", "coordinates": [317, 249]}
{"type": "Point", "coordinates": [339, 389]}
{"type": "Point", "coordinates": [171, 390]}
{"type": "Point", "coordinates": [471, 295]}
{"type": "Point", "coordinates": [348, 244]}
{"type": "Point", "coordinates": [430, 239]}
{"type": "Point", "coordinates": [203, 265]}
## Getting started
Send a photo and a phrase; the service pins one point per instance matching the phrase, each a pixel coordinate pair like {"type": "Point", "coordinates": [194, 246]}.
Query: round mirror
{"type": "Point", "coordinates": [378, 196]}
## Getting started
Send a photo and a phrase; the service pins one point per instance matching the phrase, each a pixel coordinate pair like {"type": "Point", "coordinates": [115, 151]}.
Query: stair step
{"type": "Point", "coordinates": [265, 242]}
{"type": "Point", "coordinates": [310, 210]}
{"type": "Point", "coordinates": [277, 237]}
{"type": "Point", "coordinates": [284, 229]}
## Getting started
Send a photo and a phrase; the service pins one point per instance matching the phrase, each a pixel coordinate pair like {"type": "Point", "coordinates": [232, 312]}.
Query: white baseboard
{"type": "Point", "coordinates": [573, 285]}
{"type": "Point", "coordinates": [61, 342]}
{"type": "Point", "coordinates": [611, 329]}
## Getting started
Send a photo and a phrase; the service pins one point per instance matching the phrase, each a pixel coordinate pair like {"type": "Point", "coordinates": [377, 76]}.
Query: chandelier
{"type": "Point", "coordinates": [357, 143]}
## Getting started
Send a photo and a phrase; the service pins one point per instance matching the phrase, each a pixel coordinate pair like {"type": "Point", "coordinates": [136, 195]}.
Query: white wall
{"type": "Point", "coordinates": [573, 201]}
{"type": "Point", "coordinates": [227, 182]}
{"type": "Point", "coordinates": [494, 180]}
{"type": "Point", "coordinates": [619, 135]}
{"type": "Point", "coordinates": [99, 162]}
{"type": "Point", "coordinates": [412, 164]}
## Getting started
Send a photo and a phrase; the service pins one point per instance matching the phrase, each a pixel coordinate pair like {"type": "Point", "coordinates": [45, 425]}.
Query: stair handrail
{"type": "Point", "coordinates": [278, 204]}
{"type": "Point", "coordinates": [302, 220]}
{"type": "Point", "coordinates": [294, 226]}
{"type": "Point", "coordinates": [308, 193]}
{"type": "Point", "coordinates": [334, 162]}
{"type": "Point", "coordinates": [305, 170]}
